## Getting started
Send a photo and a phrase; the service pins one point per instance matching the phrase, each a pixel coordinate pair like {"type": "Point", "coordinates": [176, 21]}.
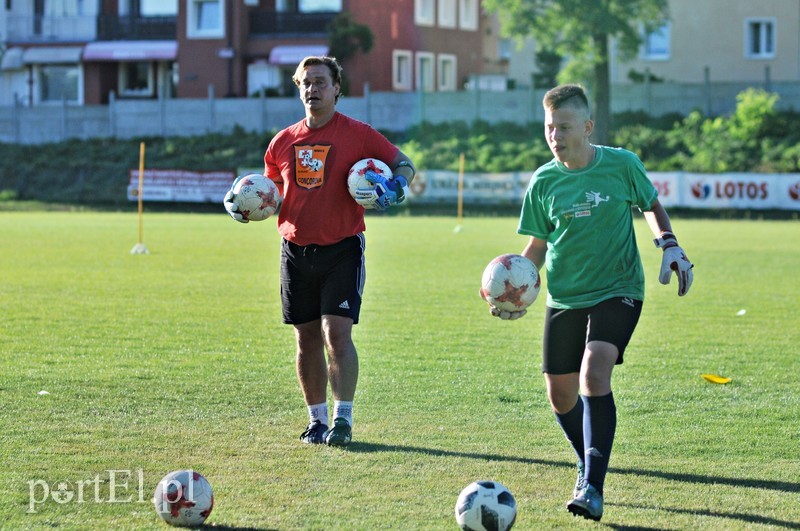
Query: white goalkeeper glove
{"type": "Point", "coordinates": [505, 315]}
{"type": "Point", "coordinates": [674, 259]}
{"type": "Point", "coordinates": [231, 207]}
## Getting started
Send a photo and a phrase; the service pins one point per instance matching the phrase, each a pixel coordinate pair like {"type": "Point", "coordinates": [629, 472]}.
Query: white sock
{"type": "Point", "coordinates": [343, 409]}
{"type": "Point", "coordinates": [318, 412]}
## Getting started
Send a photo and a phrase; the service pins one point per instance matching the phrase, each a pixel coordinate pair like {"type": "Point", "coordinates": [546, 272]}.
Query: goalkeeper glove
{"type": "Point", "coordinates": [231, 207]}
{"type": "Point", "coordinates": [386, 193]}
{"type": "Point", "coordinates": [505, 315]}
{"type": "Point", "coordinates": [674, 259]}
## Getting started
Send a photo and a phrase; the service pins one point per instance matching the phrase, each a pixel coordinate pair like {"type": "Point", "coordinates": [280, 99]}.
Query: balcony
{"type": "Point", "coordinates": [41, 28]}
{"type": "Point", "coordinates": [54, 29]}
{"type": "Point", "coordinates": [272, 23]}
{"type": "Point", "coordinates": [124, 27]}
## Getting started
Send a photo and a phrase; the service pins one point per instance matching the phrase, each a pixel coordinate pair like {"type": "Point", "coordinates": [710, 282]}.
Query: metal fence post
{"type": "Point", "coordinates": [262, 108]}
{"type": "Point", "coordinates": [162, 110]}
{"type": "Point", "coordinates": [367, 113]}
{"type": "Point", "coordinates": [212, 119]}
{"type": "Point", "coordinates": [112, 120]}
{"type": "Point", "coordinates": [63, 117]}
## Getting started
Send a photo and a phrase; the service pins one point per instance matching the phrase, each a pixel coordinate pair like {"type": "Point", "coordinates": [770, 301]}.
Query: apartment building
{"type": "Point", "coordinates": [720, 41]}
{"type": "Point", "coordinates": [88, 51]}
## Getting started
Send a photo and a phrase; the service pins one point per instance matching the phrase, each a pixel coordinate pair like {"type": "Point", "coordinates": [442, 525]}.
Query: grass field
{"type": "Point", "coordinates": [177, 359]}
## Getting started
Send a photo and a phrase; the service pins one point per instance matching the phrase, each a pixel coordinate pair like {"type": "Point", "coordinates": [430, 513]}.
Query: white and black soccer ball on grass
{"type": "Point", "coordinates": [257, 196]}
{"type": "Point", "coordinates": [486, 506]}
{"type": "Point", "coordinates": [184, 498]}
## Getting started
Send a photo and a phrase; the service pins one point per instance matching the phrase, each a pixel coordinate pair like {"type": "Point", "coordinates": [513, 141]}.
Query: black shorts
{"type": "Point", "coordinates": [319, 280]}
{"type": "Point", "coordinates": [566, 332]}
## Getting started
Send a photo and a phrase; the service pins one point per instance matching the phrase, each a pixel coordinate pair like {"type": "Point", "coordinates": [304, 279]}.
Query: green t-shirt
{"type": "Point", "coordinates": [585, 215]}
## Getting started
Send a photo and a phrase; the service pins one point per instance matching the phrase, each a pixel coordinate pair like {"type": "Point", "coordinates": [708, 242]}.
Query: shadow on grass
{"type": "Point", "coordinates": [745, 517]}
{"type": "Point", "coordinates": [780, 486]}
{"type": "Point", "coordinates": [223, 527]}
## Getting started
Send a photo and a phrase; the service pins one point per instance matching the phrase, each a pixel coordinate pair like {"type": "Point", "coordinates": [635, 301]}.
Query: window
{"type": "Point", "coordinates": [205, 19]}
{"type": "Point", "coordinates": [447, 72]}
{"type": "Point", "coordinates": [135, 79]}
{"type": "Point", "coordinates": [447, 13]}
{"type": "Point", "coordinates": [424, 69]}
{"type": "Point", "coordinates": [325, 6]}
{"type": "Point", "coordinates": [468, 14]}
{"type": "Point", "coordinates": [760, 38]}
{"type": "Point", "coordinates": [424, 12]}
{"type": "Point", "coordinates": [156, 8]}
{"type": "Point", "coordinates": [656, 44]}
{"type": "Point", "coordinates": [59, 83]}
{"type": "Point", "coordinates": [401, 70]}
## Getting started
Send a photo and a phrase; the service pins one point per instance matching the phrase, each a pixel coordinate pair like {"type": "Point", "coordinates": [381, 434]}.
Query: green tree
{"type": "Point", "coordinates": [346, 38]}
{"type": "Point", "coordinates": [581, 31]}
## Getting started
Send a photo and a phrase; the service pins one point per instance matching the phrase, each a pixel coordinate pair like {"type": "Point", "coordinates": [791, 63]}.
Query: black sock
{"type": "Point", "coordinates": [572, 424]}
{"type": "Point", "coordinates": [599, 425]}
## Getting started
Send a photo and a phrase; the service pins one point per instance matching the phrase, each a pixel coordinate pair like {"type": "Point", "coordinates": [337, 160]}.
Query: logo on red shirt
{"type": "Point", "coordinates": [309, 167]}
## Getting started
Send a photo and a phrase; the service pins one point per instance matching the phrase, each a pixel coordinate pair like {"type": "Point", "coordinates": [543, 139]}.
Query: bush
{"type": "Point", "coordinates": [755, 138]}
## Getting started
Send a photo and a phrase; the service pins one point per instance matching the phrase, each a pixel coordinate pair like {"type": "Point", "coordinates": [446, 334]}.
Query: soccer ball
{"type": "Point", "coordinates": [257, 196]}
{"type": "Point", "coordinates": [360, 188]}
{"type": "Point", "coordinates": [510, 283]}
{"type": "Point", "coordinates": [183, 498]}
{"type": "Point", "coordinates": [486, 506]}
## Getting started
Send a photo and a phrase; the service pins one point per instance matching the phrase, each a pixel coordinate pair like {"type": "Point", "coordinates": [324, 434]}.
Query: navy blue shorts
{"type": "Point", "coordinates": [566, 332]}
{"type": "Point", "coordinates": [319, 280]}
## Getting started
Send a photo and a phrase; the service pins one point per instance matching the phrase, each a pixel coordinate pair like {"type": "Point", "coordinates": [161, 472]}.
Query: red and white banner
{"type": "Point", "coordinates": [180, 185]}
{"type": "Point", "coordinates": [675, 189]}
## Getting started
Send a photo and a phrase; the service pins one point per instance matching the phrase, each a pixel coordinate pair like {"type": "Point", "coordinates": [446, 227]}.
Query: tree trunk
{"type": "Point", "coordinates": [602, 91]}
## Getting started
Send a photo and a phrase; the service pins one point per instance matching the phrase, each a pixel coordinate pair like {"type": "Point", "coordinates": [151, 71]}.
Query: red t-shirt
{"type": "Point", "coordinates": [310, 168]}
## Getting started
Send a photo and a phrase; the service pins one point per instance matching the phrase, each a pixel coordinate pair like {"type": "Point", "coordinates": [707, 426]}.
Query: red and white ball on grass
{"type": "Point", "coordinates": [510, 283]}
{"type": "Point", "coordinates": [362, 190]}
{"type": "Point", "coordinates": [257, 197]}
{"type": "Point", "coordinates": [184, 498]}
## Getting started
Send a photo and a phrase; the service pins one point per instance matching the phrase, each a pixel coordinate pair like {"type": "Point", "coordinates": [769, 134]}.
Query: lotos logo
{"type": "Point", "coordinates": [700, 190]}
{"type": "Point", "coordinates": [794, 191]}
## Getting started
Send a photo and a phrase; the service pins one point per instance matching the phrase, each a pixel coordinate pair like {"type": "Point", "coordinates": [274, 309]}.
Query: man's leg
{"type": "Point", "coordinates": [312, 373]}
{"type": "Point", "coordinates": [343, 374]}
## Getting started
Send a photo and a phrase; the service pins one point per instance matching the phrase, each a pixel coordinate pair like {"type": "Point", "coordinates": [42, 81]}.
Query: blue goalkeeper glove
{"type": "Point", "coordinates": [386, 195]}
{"type": "Point", "coordinates": [399, 184]}
{"type": "Point", "coordinates": [231, 207]}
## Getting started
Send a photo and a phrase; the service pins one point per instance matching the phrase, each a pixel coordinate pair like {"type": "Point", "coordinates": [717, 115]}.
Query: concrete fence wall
{"type": "Point", "coordinates": [386, 111]}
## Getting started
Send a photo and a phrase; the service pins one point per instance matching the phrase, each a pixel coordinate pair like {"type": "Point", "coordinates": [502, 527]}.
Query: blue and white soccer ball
{"type": "Point", "coordinates": [486, 506]}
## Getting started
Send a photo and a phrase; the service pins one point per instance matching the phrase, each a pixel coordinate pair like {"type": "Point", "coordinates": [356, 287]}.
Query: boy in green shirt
{"type": "Point", "coordinates": [577, 212]}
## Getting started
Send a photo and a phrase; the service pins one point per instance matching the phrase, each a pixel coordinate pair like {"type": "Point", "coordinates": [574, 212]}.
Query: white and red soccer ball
{"type": "Point", "coordinates": [184, 498]}
{"type": "Point", "coordinates": [510, 283]}
{"type": "Point", "coordinates": [359, 187]}
{"type": "Point", "coordinates": [257, 197]}
{"type": "Point", "coordinates": [486, 506]}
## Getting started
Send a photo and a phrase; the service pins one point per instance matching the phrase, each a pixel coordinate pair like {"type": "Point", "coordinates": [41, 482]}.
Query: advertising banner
{"type": "Point", "coordinates": [180, 185]}
{"type": "Point", "coordinates": [675, 189]}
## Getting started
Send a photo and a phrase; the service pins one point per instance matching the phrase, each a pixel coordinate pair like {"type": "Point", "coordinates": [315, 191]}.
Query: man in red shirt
{"type": "Point", "coordinates": [322, 251]}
